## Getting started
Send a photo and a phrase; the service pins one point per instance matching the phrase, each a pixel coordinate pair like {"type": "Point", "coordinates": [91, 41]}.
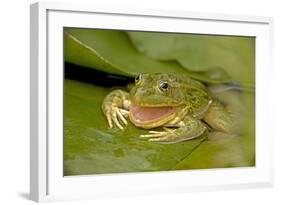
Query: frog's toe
{"type": "Point", "coordinates": [165, 139]}
{"type": "Point", "coordinates": [116, 116]}
{"type": "Point", "coordinates": [109, 120]}
{"type": "Point", "coordinates": [160, 139]}
{"type": "Point", "coordinates": [121, 117]}
{"type": "Point", "coordinates": [116, 121]}
{"type": "Point", "coordinates": [153, 134]}
{"type": "Point", "coordinates": [163, 136]}
{"type": "Point", "coordinates": [124, 112]}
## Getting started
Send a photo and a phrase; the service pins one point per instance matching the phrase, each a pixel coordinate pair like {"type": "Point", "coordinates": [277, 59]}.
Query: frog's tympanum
{"type": "Point", "coordinates": [181, 106]}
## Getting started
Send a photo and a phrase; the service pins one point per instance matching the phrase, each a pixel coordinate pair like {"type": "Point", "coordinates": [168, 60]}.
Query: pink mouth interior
{"type": "Point", "coordinates": [147, 114]}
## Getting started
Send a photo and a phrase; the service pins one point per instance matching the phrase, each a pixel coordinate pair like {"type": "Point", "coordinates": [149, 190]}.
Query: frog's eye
{"type": "Point", "coordinates": [164, 86]}
{"type": "Point", "coordinates": [137, 78]}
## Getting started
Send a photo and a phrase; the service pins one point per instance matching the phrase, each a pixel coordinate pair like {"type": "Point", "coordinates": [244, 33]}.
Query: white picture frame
{"type": "Point", "coordinates": [46, 178]}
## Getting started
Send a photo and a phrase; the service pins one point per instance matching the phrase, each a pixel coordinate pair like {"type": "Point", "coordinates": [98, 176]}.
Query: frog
{"type": "Point", "coordinates": [181, 107]}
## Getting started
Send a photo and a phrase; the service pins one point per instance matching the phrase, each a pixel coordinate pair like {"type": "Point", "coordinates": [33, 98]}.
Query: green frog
{"type": "Point", "coordinates": [182, 107]}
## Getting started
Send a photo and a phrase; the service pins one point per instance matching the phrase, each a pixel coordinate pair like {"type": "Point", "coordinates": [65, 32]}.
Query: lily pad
{"type": "Point", "coordinates": [112, 52]}
{"type": "Point", "coordinates": [235, 54]}
{"type": "Point", "coordinates": [90, 147]}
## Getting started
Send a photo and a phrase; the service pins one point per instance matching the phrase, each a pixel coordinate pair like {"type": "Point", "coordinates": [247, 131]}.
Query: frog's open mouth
{"type": "Point", "coordinates": [148, 117]}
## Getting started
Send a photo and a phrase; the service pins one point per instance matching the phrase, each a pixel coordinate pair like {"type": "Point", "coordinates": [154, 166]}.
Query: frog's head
{"type": "Point", "coordinates": [156, 99]}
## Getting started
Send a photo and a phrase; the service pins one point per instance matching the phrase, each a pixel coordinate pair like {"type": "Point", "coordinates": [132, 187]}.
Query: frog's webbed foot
{"type": "Point", "coordinates": [190, 129]}
{"type": "Point", "coordinates": [114, 108]}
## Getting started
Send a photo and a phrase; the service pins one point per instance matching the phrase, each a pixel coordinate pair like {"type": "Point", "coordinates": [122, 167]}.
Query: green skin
{"type": "Point", "coordinates": [192, 110]}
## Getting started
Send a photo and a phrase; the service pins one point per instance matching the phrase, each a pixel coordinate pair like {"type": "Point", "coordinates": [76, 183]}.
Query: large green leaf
{"type": "Point", "coordinates": [112, 52]}
{"type": "Point", "coordinates": [235, 54]}
{"type": "Point", "coordinates": [90, 147]}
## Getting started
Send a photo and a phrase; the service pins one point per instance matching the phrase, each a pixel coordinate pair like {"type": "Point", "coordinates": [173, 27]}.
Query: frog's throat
{"type": "Point", "coordinates": [150, 117]}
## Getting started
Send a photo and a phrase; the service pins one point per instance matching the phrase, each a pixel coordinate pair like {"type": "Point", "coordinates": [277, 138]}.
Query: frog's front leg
{"type": "Point", "coordinates": [188, 129]}
{"type": "Point", "coordinates": [115, 107]}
